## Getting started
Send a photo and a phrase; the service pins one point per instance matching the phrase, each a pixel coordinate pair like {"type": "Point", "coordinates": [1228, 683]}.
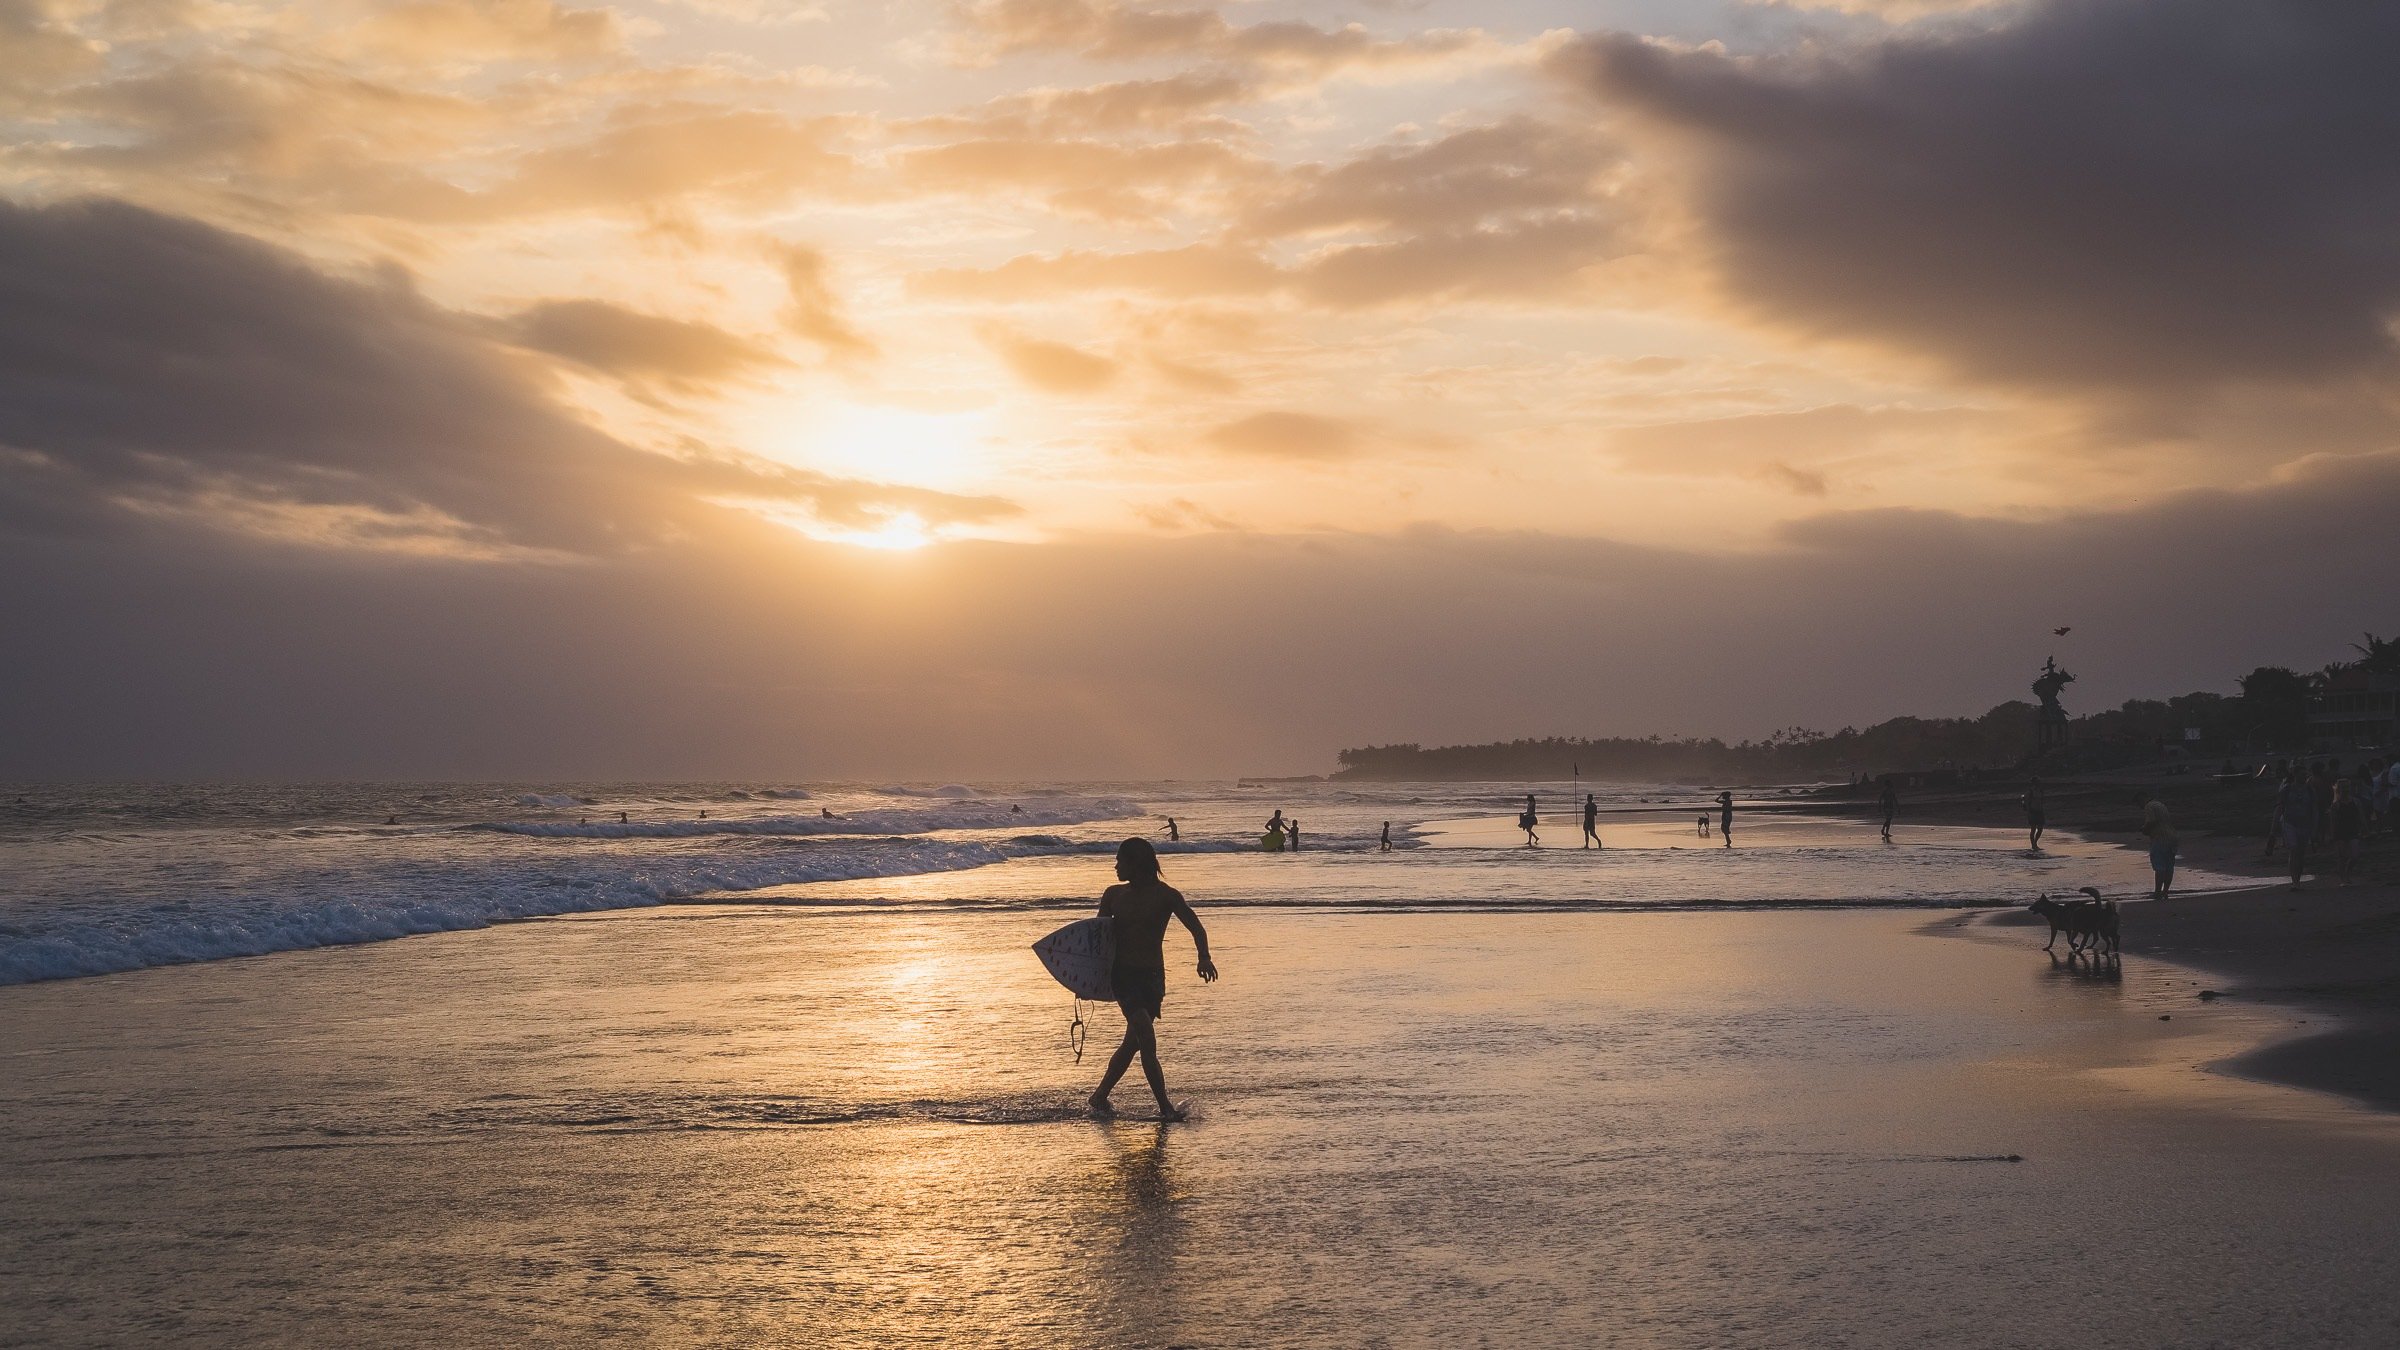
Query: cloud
{"type": "Point", "coordinates": [1753, 442]}
{"type": "Point", "coordinates": [1288, 435]}
{"type": "Point", "coordinates": [153, 369]}
{"type": "Point", "coordinates": [1076, 175]}
{"type": "Point", "coordinates": [662, 153]}
{"type": "Point", "coordinates": [1053, 367]}
{"type": "Point", "coordinates": [138, 659]}
{"type": "Point", "coordinates": [2139, 198]}
{"type": "Point", "coordinates": [1518, 211]}
{"type": "Point", "coordinates": [813, 310]}
{"type": "Point", "coordinates": [1106, 30]}
{"type": "Point", "coordinates": [679, 355]}
{"type": "Point", "coordinates": [455, 31]}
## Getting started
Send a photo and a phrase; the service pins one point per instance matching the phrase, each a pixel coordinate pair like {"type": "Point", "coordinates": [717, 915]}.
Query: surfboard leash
{"type": "Point", "coordinates": [1075, 1032]}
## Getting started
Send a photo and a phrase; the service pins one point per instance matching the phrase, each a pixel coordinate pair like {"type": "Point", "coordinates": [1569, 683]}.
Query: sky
{"type": "Point", "coordinates": [1072, 388]}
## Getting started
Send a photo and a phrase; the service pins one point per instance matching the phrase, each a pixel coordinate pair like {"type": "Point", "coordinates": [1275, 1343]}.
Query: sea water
{"type": "Point", "coordinates": [101, 879]}
{"type": "Point", "coordinates": [784, 1078]}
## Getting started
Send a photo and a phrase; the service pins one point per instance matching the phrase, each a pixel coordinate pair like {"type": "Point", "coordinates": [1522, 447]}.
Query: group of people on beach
{"type": "Point", "coordinates": [2320, 804]}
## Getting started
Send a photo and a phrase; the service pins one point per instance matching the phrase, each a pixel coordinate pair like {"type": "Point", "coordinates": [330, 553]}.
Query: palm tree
{"type": "Point", "coordinates": [2379, 655]}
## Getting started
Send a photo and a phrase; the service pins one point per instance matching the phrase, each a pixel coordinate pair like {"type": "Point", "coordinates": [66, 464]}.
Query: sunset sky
{"type": "Point", "coordinates": [1061, 387]}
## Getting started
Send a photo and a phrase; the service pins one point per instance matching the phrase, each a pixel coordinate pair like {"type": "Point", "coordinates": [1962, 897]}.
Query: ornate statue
{"type": "Point", "coordinates": [2046, 688]}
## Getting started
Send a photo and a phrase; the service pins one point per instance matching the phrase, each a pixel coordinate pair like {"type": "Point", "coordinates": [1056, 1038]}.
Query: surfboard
{"type": "Point", "coordinates": [1080, 956]}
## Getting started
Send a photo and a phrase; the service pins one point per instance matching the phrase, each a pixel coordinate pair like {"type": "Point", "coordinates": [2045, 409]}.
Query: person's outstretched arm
{"type": "Point", "coordinates": [1183, 911]}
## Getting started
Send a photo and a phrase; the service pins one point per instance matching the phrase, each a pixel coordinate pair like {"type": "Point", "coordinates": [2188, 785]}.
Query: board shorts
{"type": "Point", "coordinates": [1143, 989]}
{"type": "Point", "coordinates": [2162, 859]}
{"type": "Point", "coordinates": [2036, 820]}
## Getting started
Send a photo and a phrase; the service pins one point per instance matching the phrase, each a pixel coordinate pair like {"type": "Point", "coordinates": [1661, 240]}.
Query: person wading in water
{"type": "Point", "coordinates": [1141, 906]}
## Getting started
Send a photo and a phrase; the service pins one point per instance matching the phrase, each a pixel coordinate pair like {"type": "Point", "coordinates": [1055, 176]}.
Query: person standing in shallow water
{"type": "Point", "coordinates": [1591, 821]}
{"type": "Point", "coordinates": [1890, 802]}
{"type": "Point", "coordinates": [1140, 904]}
{"type": "Point", "coordinates": [1725, 816]}
{"type": "Point", "coordinates": [2036, 814]}
{"type": "Point", "coordinates": [1527, 820]}
{"type": "Point", "coordinates": [1386, 846]}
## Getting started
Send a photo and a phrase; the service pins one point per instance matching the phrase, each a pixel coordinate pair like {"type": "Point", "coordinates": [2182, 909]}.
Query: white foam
{"type": "Point", "coordinates": [104, 937]}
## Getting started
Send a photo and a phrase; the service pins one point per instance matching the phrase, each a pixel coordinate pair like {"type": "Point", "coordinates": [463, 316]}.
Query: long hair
{"type": "Point", "coordinates": [1137, 861]}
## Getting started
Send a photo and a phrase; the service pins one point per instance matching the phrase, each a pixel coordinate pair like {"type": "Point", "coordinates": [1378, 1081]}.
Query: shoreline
{"type": "Point", "coordinates": [2324, 950]}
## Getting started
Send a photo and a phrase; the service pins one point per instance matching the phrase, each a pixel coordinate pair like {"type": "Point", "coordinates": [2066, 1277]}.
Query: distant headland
{"type": "Point", "coordinates": [2346, 705]}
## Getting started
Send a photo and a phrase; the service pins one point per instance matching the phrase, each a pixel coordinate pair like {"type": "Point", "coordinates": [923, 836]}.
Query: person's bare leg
{"type": "Point", "coordinates": [1117, 1064]}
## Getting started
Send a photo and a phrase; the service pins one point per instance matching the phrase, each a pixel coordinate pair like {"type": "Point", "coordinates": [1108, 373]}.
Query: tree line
{"type": "Point", "coordinates": [2269, 713]}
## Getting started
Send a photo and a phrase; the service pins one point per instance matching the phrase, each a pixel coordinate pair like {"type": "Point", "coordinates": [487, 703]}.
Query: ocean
{"type": "Point", "coordinates": [103, 879]}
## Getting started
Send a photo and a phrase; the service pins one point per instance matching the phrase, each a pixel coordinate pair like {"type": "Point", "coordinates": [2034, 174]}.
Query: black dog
{"type": "Point", "coordinates": [2087, 923]}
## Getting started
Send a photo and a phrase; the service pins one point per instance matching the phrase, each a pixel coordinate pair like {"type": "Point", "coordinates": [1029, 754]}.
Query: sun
{"type": "Point", "coordinates": [903, 530]}
{"type": "Point", "coordinates": [945, 451]}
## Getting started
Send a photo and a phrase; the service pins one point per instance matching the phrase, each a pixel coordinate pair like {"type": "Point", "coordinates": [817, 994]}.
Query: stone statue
{"type": "Point", "coordinates": [2046, 688]}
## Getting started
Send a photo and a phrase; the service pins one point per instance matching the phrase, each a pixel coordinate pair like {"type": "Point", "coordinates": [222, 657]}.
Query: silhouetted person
{"type": "Point", "coordinates": [1386, 845]}
{"type": "Point", "coordinates": [2349, 824]}
{"type": "Point", "coordinates": [1141, 904]}
{"type": "Point", "coordinates": [1591, 821]}
{"type": "Point", "coordinates": [1015, 810]}
{"type": "Point", "coordinates": [388, 820]}
{"type": "Point", "coordinates": [1725, 816]}
{"type": "Point", "coordinates": [1174, 835]}
{"type": "Point", "coordinates": [621, 818]}
{"type": "Point", "coordinates": [1703, 825]}
{"type": "Point", "coordinates": [2037, 815]}
{"type": "Point", "coordinates": [2160, 829]}
{"type": "Point", "coordinates": [1275, 822]}
{"type": "Point", "coordinates": [826, 811]}
{"type": "Point", "coordinates": [1291, 833]}
{"type": "Point", "coordinates": [1526, 820]}
{"type": "Point", "coordinates": [2296, 819]}
{"type": "Point", "coordinates": [704, 815]}
{"type": "Point", "coordinates": [1890, 802]}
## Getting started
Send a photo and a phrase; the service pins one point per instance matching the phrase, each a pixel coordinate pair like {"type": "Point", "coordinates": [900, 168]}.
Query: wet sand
{"type": "Point", "coordinates": [2328, 953]}
{"type": "Point", "coordinates": [748, 1125]}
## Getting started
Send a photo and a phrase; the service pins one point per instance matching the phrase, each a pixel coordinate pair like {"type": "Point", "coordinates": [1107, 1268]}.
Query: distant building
{"type": "Point", "coordinates": [2354, 709]}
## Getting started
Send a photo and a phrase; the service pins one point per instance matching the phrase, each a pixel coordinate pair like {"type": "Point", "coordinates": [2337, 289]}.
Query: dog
{"type": "Point", "coordinates": [2088, 924]}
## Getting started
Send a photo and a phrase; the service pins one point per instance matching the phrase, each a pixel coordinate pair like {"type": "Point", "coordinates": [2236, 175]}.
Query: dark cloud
{"type": "Point", "coordinates": [2147, 196]}
{"type": "Point", "coordinates": [991, 660]}
{"type": "Point", "coordinates": [678, 355]}
{"type": "Point", "coordinates": [152, 367]}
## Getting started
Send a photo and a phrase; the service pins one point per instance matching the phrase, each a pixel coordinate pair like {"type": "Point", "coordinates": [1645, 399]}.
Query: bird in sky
{"type": "Point", "coordinates": [2062, 632]}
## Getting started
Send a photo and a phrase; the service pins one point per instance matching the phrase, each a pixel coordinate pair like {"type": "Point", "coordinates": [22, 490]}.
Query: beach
{"type": "Point", "coordinates": [2328, 950]}
{"type": "Point", "coordinates": [851, 1116]}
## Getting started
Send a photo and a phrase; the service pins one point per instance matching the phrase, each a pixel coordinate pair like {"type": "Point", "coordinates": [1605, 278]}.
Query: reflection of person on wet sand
{"type": "Point", "coordinates": [1141, 905]}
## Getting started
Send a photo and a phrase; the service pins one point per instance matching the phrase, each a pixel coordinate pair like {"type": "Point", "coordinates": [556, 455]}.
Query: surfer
{"type": "Point", "coordinates": [1591, 821]}
{"type": "Point", "coordinates": [621, 818]}
{"type": "Point", "coordinates": [1141, 904]}
{"type": "Point", "coordinates": [1174, 835]}
{"type": "Point", "coordinates": [1526, 820]}
{"type": "Point", "coordinates": [1724, 816]}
